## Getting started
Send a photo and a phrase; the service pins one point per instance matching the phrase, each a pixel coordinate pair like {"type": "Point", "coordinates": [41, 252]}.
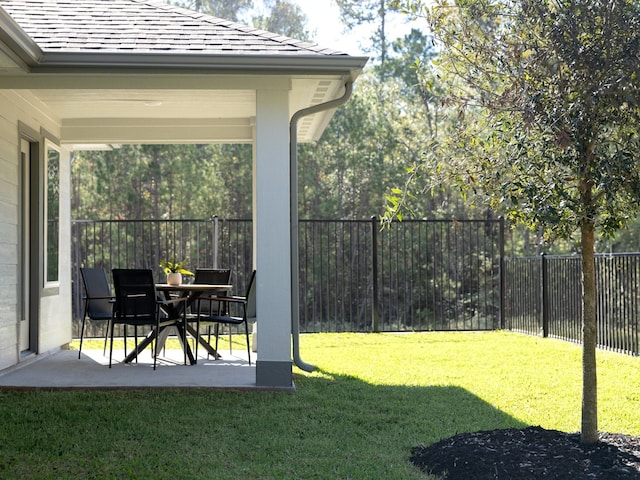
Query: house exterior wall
{"type": "Point", "coordinates": [9, 188]}
{"type": "Point", "coordinates": [56, 327]}
{"type": "Point", "coordinates": [53, 304]}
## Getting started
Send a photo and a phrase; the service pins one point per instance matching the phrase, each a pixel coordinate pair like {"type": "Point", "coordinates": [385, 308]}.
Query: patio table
{"type": "Point", "coordinates": [190, 291]}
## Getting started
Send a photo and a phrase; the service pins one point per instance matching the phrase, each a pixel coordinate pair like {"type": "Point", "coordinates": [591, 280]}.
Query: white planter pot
{"type": "Point", "coordinates": [174, 278]}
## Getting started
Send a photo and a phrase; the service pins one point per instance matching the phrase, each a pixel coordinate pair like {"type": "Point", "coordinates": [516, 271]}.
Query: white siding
{"type": "Point", "coordinates": [9, 236]}
{"type": "Point", "coordinates": [55, 310]}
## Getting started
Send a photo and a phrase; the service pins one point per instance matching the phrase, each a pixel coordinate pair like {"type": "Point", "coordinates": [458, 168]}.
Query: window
{"type": "Point", "coordinates": [52, 213]}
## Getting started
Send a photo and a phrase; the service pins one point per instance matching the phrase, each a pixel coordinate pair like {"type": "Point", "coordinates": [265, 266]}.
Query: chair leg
{"type": "Point", "coordinates": [217, 334]}
{"type": "Point", "coordinates": [246, 334]}
{"type": "Point", "coordinates": [154, 345]}
{"type": "Point", "coordinates": [106, 337]}
{"type": "Point", "coordinates": [184, 339]}
{"type": "Point", "coordinates": [124, 336]}
{"type": "Point", "coordinates": [111, 347]}
{"type": "Point", "coordinates": [135, 339]}
{"type": "Point", "coordinates": [82, 333]}
{"type": "Point", "coordinates": [197, 338]}
{"type": "Point", "coordinates": [155, 349]}
{"type": "Point", "coordinates": [225, 310]}
{"type": "Point", "coordinates": [164, 346]}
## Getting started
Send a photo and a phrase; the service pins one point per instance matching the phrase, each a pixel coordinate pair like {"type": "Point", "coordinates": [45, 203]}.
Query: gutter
{"type": "Point", "coordinates": [104, 60]}
{"type": "Point", "coordinates": [293, 196]}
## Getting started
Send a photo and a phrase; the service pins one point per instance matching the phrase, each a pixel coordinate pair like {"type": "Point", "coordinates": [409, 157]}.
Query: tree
{"type": "Point", "coordinates": [163, 181]}
{"type": "Point", "coordinates": [553, 91]}
{"type": "Point", "coordinates": [359, 12]}
{"type": "Point", "coordinates": [344, 175]}
{"type": "Point", "coordinates": [227, 9]}
{"type": "Point", "coordinates": [413, 52]}
{"type": "Point", "coordinates": [284, 18]}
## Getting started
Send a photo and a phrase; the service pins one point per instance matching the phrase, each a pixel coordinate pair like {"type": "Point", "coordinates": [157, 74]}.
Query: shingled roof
{"type": "Point", "coordinates": [144, 26]}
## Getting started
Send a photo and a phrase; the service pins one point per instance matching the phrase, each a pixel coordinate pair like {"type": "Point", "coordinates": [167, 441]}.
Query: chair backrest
{"type": "Point", "coordinates": [251, 297]}
{"type": "Point", "coordinates": [98, 291]}
{"type": "Point", "coordinates": [211, 276]}
{"type": "Point", "coordinates": [135, 294]}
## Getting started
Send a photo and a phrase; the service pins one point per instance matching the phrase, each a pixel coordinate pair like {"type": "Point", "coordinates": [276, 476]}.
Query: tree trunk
{"type": "Point", "coordinates": [589, 432]}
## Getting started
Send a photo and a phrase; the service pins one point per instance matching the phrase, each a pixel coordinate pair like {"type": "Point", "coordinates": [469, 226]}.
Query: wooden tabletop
{"type": "Point", "coordinates": [192, 287]}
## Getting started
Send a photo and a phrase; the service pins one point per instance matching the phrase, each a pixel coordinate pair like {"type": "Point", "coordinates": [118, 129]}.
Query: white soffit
{"type": "Point", "coordinates": [161, 104]}
{"type": "Point", "coordinates": [162, 115]}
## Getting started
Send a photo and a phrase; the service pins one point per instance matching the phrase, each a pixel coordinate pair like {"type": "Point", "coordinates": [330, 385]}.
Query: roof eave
{"type": "Point", "coordinates": [15, 43]}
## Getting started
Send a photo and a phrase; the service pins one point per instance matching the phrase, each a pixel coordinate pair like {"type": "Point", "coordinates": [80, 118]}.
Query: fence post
{"type": "Point", "coordinates": [375, 314]}
{"type": "Point", "coordinates": [545, 295]}
{"type": "Point", "coordinates": [503, 286]}
{"type": "Point", "coordinates": [214, 240]}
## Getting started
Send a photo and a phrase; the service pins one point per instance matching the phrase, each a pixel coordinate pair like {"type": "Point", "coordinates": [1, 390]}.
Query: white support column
{"type": "Point", "coordinates": [271, 215]}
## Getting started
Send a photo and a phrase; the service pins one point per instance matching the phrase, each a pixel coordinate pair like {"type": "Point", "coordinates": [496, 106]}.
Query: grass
{"type": "Point", "coordinates": [373, 397]}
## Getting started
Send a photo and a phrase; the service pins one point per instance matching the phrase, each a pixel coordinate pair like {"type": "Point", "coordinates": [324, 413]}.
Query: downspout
{"type": "Point", "coordinates": [293, 198]}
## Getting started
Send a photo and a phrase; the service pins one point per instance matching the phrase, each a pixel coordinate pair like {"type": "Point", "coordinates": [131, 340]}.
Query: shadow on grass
{"type": "Point", "coordinates": [435, 411]}
{"type": "Point", "coordinates": [391, 419]}
{"type": "Point", "coordinates": [333, 426]}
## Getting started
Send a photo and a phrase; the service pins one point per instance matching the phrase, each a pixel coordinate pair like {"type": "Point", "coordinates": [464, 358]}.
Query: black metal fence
{"type": "Point", "coordinates": [414, 275]}
{"type": "Point", "coordinates": [543, 296]}
{"type": "Point", "coordinates": [145, 243]}
{"type": "Point", "coordinates": [440, 275]}
{"type": "Point", "coordinates": [336, 285]}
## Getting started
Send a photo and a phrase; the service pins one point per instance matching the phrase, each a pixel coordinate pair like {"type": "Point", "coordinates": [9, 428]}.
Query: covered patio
{"type": "Point", "coordinates": [100, 73]}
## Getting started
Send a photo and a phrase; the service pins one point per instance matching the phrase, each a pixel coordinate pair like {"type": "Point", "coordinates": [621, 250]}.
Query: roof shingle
{"type": "Point", "coordinates": [144, 26]}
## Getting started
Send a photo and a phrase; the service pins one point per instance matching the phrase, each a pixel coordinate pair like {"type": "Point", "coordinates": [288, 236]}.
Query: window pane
{"type": "Point", "coordinates": [53, 208]}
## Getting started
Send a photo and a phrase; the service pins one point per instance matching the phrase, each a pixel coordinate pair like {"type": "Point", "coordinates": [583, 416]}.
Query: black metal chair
{"type": "Point", "coordinates": [98, 301]}
{"type": "Point", "coordinates": [244, 307]}
{"type": "Point", "coordinates": [137, 304]}
{"type": "Point", "coordinates": [203, 304]}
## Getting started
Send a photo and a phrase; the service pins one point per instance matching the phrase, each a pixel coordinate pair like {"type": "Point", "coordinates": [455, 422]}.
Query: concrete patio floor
{"type": "Point", "coordinates": [63, 370]}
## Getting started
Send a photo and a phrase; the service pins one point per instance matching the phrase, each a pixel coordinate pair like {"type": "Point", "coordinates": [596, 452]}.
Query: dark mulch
{"type": "Point", "coordinates": [530, 453]}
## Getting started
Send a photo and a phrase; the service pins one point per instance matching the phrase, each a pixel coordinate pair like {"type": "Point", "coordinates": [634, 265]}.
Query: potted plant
{"type": "Point", "coordinates": [174, 271]}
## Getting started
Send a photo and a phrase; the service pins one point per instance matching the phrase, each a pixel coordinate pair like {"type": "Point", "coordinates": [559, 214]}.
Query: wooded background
{"type": "Point", "coordinates": [396, 112]}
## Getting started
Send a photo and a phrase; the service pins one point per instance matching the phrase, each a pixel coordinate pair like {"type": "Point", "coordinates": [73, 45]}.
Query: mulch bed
{"type": "Point", "coordinates": [530, 453]}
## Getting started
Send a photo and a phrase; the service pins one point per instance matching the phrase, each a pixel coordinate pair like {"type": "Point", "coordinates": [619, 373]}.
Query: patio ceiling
{"type": "Point", "coordinates": [212, 110]}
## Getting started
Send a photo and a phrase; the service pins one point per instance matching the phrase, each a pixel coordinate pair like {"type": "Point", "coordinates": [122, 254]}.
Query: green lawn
{"type": "Point", "coordinates": [373, 397]}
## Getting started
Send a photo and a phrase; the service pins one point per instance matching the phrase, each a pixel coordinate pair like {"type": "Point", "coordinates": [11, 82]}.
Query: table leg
{"type": "Point", "coordinates": [140, 347]}
{"type": "Point", "coordinates": [185, 344]}
{"type": "Point", "coordinates": [162, 338]}
{"type": "Point", "coordinates": [202, 341]}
